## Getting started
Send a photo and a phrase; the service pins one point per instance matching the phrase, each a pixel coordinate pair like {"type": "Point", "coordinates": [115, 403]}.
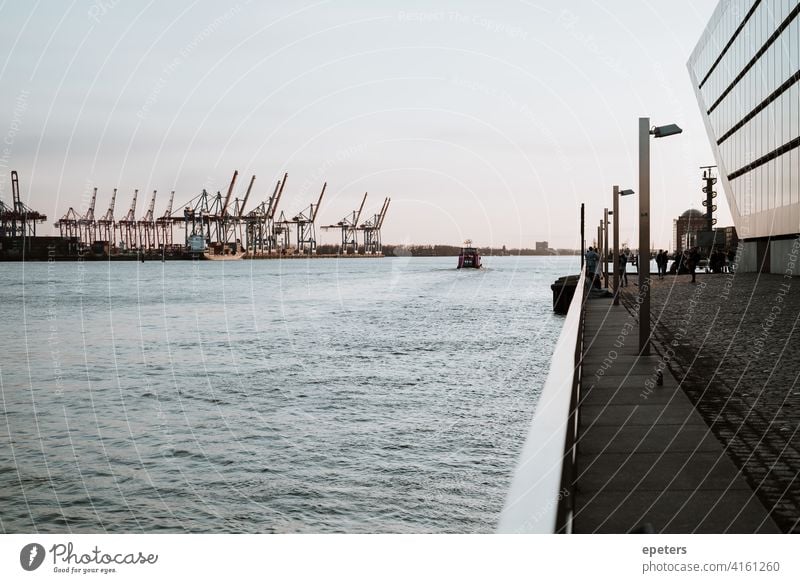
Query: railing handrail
{"type": "Point", "coordinates": [540, 498]}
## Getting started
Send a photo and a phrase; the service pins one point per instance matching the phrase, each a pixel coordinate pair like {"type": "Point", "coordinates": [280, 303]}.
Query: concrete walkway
{"type": "Point", "coordinates": [646, 459]}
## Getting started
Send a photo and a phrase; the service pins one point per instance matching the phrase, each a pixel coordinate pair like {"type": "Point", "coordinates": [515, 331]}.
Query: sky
{"type": "Point", "coordinates": [491, 121]}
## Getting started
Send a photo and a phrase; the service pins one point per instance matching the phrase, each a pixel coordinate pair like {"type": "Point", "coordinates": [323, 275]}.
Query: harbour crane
{"type": "Point", "coordinates": [87, 223]}
{"type": "Point", "coordinates": [106, 227]}
{"type": "Point", "coordinates": [372, 230]}
{"type": "Point", "coordinates": [305, 219]}
{"type": "Point", "coordinates": [349, 229]}
{"type": "Point", "coordinates": [147, 226]}
{"type": "Point", "coordinates": [127, 226]}
{"type": "Point", "coordinates": [164, 225]}
{"type": "Point", "coordinates": [18, 220]}
{"type": "Point", "coordinates": [68, 224]}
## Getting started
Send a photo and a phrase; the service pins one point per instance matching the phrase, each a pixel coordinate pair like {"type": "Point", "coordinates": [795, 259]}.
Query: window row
{"type": "Point", "coordinates": [773, 126]}
{"type": "Point", "coordinates": [762, 24]}
{"type": "Point", "coordinates": [770, 186]}
{"type": "Point", "coordinates": [719, 32]}
{"type": "Point", "coordinates": [779, 63]}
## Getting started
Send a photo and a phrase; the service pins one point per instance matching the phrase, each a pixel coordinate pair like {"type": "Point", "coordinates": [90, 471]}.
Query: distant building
{"type": "Point", "coordinates": [744, 73]}
{"type": "Point", "coordinates": [542, 246]}
{"type": "Point", "coordinates": [685, 229]}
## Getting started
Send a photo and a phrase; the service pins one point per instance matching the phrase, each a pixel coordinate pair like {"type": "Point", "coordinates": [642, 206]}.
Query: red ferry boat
{"type": "Point", "coordinates": [469, 256]}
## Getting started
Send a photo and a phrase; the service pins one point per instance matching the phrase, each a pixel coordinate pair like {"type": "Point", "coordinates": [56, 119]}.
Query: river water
{"type": "Point", "coordinates": [360, 395]}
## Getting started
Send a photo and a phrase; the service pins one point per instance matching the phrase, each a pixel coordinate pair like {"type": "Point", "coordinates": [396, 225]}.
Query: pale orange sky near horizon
{"type": "Point", "coordinates": [481, 121]}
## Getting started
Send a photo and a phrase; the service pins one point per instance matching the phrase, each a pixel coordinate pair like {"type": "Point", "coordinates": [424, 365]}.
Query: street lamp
{"type": "Point", "coordinates": [615, 213]}
{"type": "Point", "coordinates": [605, 246]}
{"type": "Point", "coordinates": [645, 131]}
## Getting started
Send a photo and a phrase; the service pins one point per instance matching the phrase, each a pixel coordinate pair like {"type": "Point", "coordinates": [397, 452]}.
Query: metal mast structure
{"type": "Point", "coordinates": [372, 230]}
{"type": "Point", "coordinates": [305, 219]}
{"type": "Point", "coordinates": [87, 223]}
{"type": "Point", "coordinates": [106, 228]}
{"type": "Point", "coordinates": [147, 226]}
{"type": "Point", "coordinates": [164, 225]}
{"type": "Point", "coordinates": [709, 180]}
{"type": "Point", "coordinates": [68, 224]}
{"type": "Point", "coordinates": [18, 220]}
{"type": "Point", "coordinates": [349, 229]}
{"type": "Point", "coordinates": [127, 226]}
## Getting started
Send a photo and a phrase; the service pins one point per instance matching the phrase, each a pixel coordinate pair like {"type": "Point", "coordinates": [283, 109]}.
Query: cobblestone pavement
{"type": "Point", "coordinates": [734, 343]}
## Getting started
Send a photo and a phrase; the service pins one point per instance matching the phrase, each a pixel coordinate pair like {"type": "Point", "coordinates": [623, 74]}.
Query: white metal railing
{"type": "Point", "coordinates": [541, 496]}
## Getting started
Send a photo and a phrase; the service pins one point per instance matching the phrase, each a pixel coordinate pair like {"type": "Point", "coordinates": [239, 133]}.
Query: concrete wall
{"type": "Point", "coordinates": [747, 262]}
{"type": "Point", "coordinates": [782, 254]}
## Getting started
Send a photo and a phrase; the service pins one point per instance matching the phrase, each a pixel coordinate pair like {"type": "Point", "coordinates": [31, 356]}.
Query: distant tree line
{"type": "Point", "coordinates": [450, 251]}
{"type": "Point", "coordinates": [447, 251]}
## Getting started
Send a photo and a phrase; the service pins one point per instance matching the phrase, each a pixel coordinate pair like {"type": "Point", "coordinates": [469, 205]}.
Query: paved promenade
{"type": "Point", "coordinates": [647, 460]}
{"type": "Point", "coordinates": [734, 341]}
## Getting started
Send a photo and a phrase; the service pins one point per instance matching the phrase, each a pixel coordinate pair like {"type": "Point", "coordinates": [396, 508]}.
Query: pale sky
{"type": "Point", "coordinates": [484, 120]}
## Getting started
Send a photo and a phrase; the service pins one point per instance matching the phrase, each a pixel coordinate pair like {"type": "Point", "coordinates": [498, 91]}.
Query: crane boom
{"type": "Point", "coordinates": [383, 212]}
{"type": "Point", "coordinates": [89, 216]}
{"type": "Point", "coordinates": [131, 216]}
{"type": "Point", "coordinates": [109, 216]}
{"type": "Point", "coordinates": [15, 192]}
{"type": "Point", "coordinates": [230, 191]}
{"type": "Point", "coordinates": [274, 208]}
{"type": "Point", "coordinates": [361, 208]}
{"type": "Point", "coordinates": [315, 210]}
{"type": "Point", "coordinates": [149, 215]}
{"type": "Point", "coordinates": [247, 194]}
{"type": "Point", "coordinates": [168, 212]}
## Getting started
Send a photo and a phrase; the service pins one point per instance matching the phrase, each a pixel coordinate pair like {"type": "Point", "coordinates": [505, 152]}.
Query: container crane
{"type": "Point", "coordinates": [349, 229]}
{"type": "Point", "coordinates": [305, 219]}
{"type": "Point", "coordinates": [164, 225]}
{"type": "Point", "coordinates": [87, 223]}
{"type": "Point", "coordinates": [372, 230]}
{"type": "Point", "coordinates": [106, 227]}
{"type": "Point", "coordinates": [147, 226]}
{"type": "Point", "coordinates": [127, 226]}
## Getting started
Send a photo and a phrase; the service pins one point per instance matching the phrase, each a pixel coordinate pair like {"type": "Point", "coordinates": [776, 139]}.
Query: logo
{"type": "Point", "coordinates": [31, 556]}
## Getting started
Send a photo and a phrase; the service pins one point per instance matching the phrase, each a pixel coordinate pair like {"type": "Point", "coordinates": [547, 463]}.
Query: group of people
{"type": "Point", "coordinates": [686, 262]}
{"type": "Point", "coordinates": [594, 267]}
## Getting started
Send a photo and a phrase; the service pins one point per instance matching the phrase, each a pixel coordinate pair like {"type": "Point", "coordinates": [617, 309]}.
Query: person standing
{"type": "Point", "coordinates": [661, 263]}
{"type": "Point", "coordinates": [622, 268]}
{"type": "Point", "coordinates": [694, 260]}
{"type": "Point", "coordinates": [592, 261]}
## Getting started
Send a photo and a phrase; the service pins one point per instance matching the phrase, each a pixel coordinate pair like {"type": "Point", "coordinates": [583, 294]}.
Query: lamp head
{"type": "Point", "coordinates": [626, 192]}
{"type": "Point", "coordinates": [664, 131]}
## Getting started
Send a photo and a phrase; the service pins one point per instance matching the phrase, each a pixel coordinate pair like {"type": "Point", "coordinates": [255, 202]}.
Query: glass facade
{"type": "Point", "coordinates": [746, 74]}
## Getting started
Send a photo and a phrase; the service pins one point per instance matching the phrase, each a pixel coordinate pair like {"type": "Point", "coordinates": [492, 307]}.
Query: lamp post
{"type": "Point", "coordinates": [645, 131]}
{"type": "Point", "coordinates": [605, 245]}
{"type": "Point", "coordinates": [615, 213]}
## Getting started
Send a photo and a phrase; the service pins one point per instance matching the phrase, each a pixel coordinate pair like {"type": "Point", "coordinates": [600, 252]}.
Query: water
{"type": "Point", "coordinates": [361, 395]}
